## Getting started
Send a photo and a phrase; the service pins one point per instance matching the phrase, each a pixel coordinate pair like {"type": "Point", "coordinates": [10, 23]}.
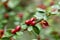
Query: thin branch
{"type": "Point", "coordinates": [38, 37]}
{"type": "Point", "coordinates": [5, 27]}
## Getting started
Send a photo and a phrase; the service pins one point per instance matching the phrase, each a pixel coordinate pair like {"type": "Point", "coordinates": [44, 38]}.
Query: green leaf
{"type": "Point", "coordinates": [19, 33]}
{"type": "Point", "coordinates": [6, 38]}
{"type": "Point", "coordinates": [2, 9]}
{"type": "Point", "coordinates": [30, 29]}
{"type": "Point", "coordinates": [23, 26]}
{"type": "Point", "coordinates": [13, 3]}
{"type": "Point", "coordinates": [41, 12]}
{"type": "Point", "coordinates": [4, 21]}
{"type": "Point", "coordinates": [8, 34]}
{"type": "Point", "coordinates": [15, 37]}
{"type": "Point", "coordinates": [36, 30]}
{"type": "Point", "coordinates": [1, 26]}
{"type": "Point", "coordinates": [12, 13]}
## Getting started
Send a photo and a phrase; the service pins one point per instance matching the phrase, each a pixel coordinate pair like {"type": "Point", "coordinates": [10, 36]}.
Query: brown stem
{"type": "Point", "coordinates": [38, 37]}
{"type": "Point", "coordinates": [12, 38]}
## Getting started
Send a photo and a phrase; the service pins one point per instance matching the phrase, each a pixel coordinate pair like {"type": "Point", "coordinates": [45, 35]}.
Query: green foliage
{"type": "Point", "coordinates": [5, 38]}
{"type": "Point", "coordinates": [29, 9]}
{"type": "Point", "coordinates": [36, 30]}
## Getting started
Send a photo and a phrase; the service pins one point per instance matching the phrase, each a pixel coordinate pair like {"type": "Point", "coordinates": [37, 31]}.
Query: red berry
{"type": "Point", "coordinates": [44, 23]}
{"type": "Point", "coordinates": [33, 23]}
{"type": "Point", "coordinates": [33, 19]}
{"type": "Point", "coordinates": [1, 33]}
{"type": "Point", "coordinates": [18, 28]}
{"type": "Point", "coordinates": [28, 22]}
{"type": "Point", "coordinates": [42, 6]}
{"type": "Point", "coordinates": [52, 3]}
{"type": "Point", "coordinates": [13, 31]}
{"type": "Point", "coordinates": [6, 16]}
{"type": "Point", "coordinates": [20, 15]}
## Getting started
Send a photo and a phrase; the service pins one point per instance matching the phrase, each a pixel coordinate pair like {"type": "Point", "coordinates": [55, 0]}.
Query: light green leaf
{"type": "Point", "coordinates": [13, 3]}
{"type": "Point", "coordinates": [30, 28]}
{"type": "Point", "coordinates": [24, 26]}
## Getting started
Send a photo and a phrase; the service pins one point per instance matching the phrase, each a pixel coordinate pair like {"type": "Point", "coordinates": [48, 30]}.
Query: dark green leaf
{"type": "Point", "coordinates": [41, 12]}
{"type": "Point", "coordinates": [6, 38]}
{"type": "Point", "coordinates": [36, 30]}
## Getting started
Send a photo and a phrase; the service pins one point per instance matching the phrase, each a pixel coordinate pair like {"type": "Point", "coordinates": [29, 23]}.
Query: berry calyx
{"type": "Point", "coordinates": [33, 23]}
{"type": "Point", "coordinates": [18, 28]}
{"type": "Point", "coordinates": [13, 31]}
{"type": "Point", "coordinates": [44, 23]}
{"type": "Point", "coordinates": [1, 33]}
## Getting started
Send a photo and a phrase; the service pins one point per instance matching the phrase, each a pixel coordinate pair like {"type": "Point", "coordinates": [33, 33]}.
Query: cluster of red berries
{"type": "Point", "coordinates": [44, 23]}
{"type": "Point", "coordinates": [31, 21]}
{"type": "Point", "coordinates": [17, 29]}
{"type": "Point", "coordinates": [1, 33]}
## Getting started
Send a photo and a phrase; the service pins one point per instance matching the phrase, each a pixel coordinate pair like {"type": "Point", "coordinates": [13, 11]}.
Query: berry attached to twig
{"type": "Point", "coordinates": [44, 23]}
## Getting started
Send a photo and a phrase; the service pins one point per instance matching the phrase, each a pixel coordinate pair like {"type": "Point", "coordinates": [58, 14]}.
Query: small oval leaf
{"type": "Point", "coordinates": [36, 30]}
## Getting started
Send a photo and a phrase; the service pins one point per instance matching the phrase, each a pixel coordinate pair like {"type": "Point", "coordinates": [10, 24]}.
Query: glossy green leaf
{"type": "Point", "coordinates": [36, 30]}
{"type": "Point", "coordinates": [41, 12]}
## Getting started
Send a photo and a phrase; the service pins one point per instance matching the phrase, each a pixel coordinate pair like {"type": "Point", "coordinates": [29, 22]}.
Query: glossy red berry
{"type": "Point", "coordinates": [33, 23]}
{"type": "Point", "coordinates": [33, 19]}
{"type": "Point", "coordinates": [18, 28]}
{"type": "Point", "coordinates": [28, 22]}
{"type": "Point", "coordinates": [42, 6]}
{"type": "Point", "coordinates": [13, 31]}
{"type": "Point", "coordinates": [6, 16]}
{"type": "Point", "coordinates": [1, 33]}
{"type": "Point", "coordinates": [44, 24]}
